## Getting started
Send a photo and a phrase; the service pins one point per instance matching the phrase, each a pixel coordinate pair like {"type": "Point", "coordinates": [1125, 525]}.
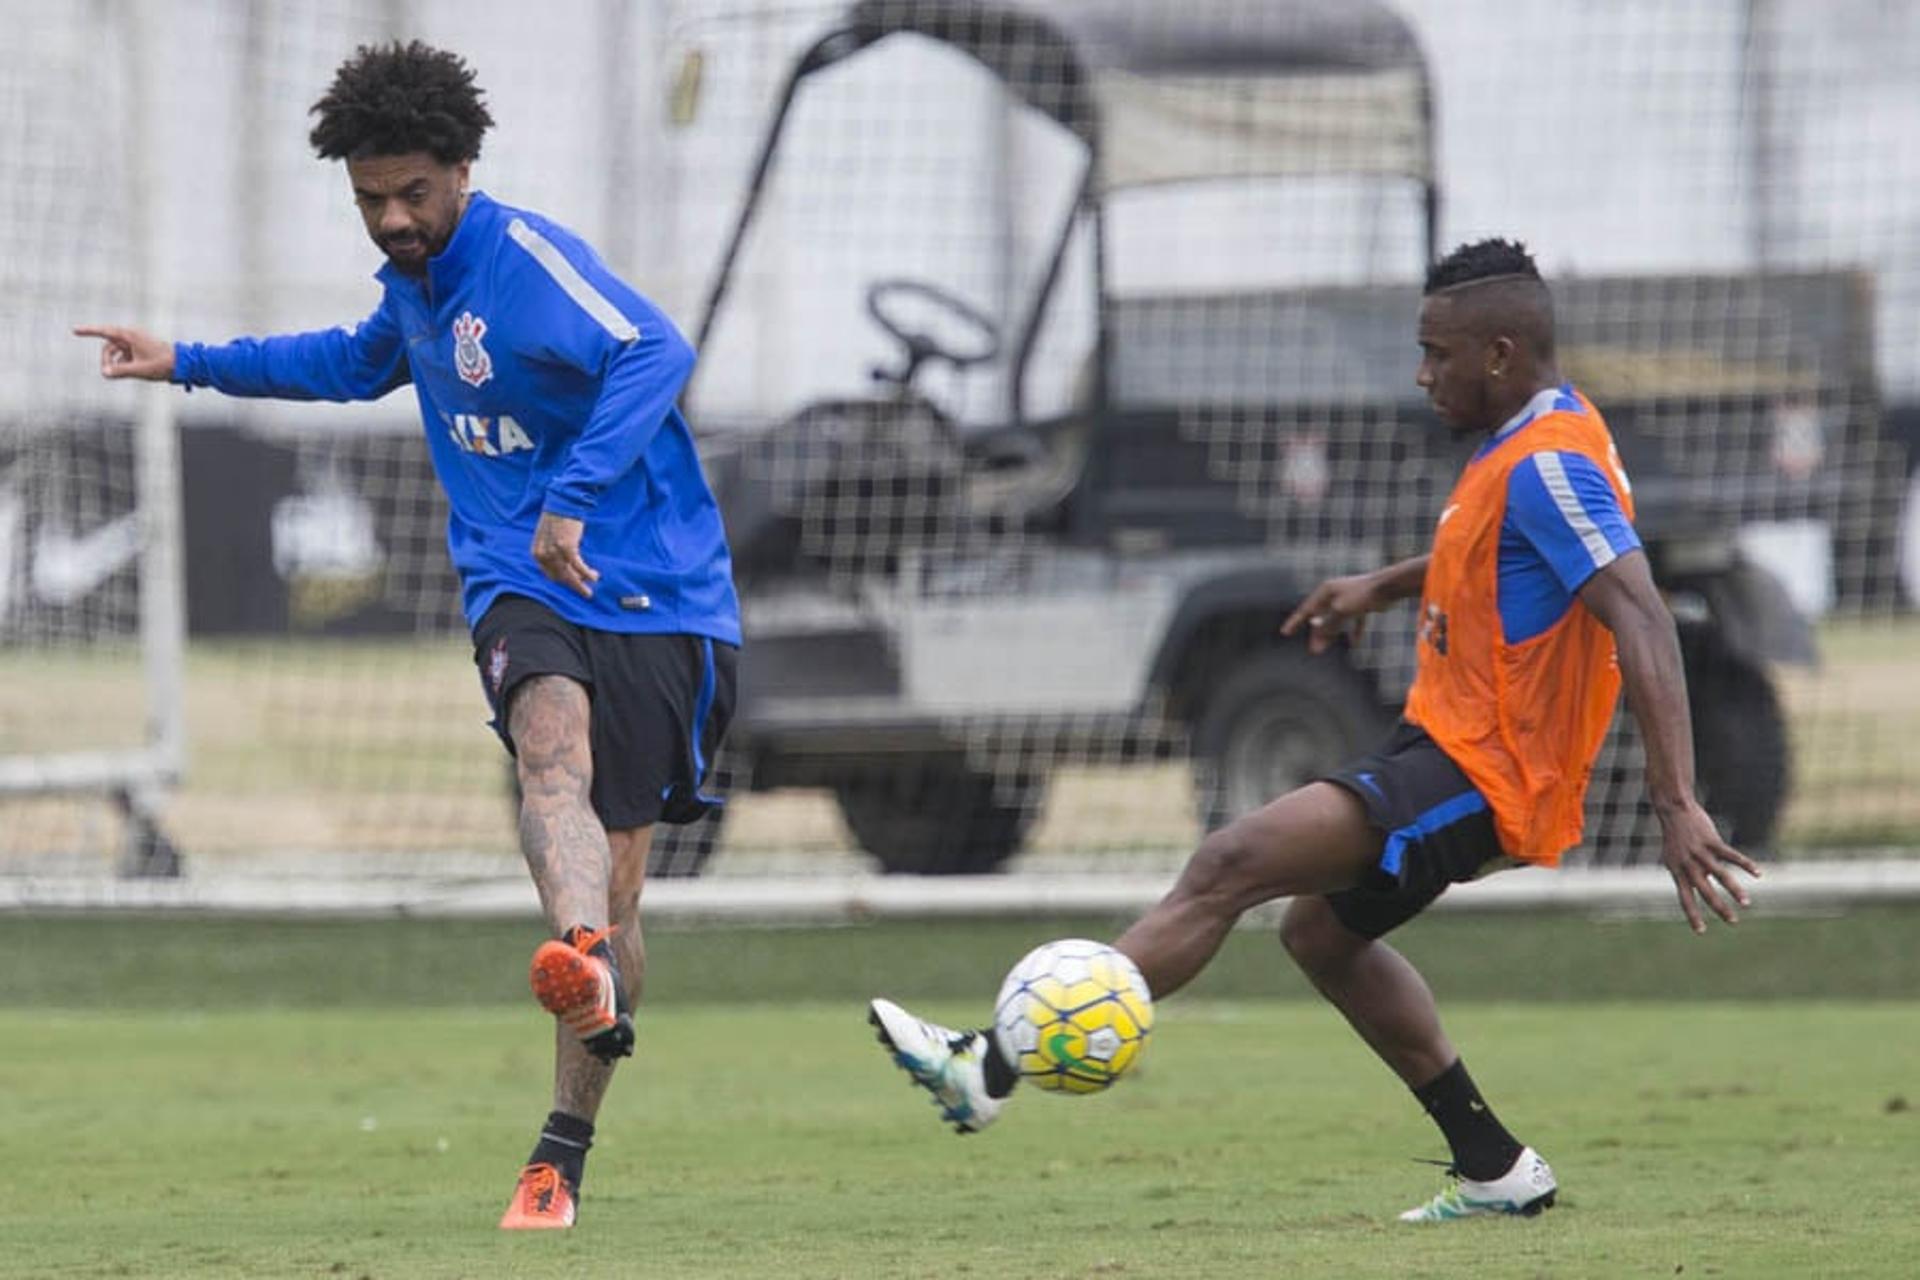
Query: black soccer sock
{"type": "Point", "coordinates": [564, 1143]}
{"type": "Point", "coordinates": [1482, 1147]}
{"type": "Point", "coordinates": [1000, 1078]}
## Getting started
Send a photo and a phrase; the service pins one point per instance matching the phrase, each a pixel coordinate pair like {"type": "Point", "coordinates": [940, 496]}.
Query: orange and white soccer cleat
{"type": "Point", "coordinates": [541, 1202]}
{"type": "Point", "coordinates": [583, 992]}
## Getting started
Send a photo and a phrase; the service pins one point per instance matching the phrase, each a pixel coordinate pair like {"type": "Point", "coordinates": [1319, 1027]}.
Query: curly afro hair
{"type": "Point", "coordinates": [1481, 260]}
{"type": "Point", "coordinates": [394, 99]}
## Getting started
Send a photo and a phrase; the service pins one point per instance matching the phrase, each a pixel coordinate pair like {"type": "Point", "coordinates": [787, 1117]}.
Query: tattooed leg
{"type": "Point", "coordinates": [579, 1078]}
{"type": "Point", "coordinates": [564, 844]}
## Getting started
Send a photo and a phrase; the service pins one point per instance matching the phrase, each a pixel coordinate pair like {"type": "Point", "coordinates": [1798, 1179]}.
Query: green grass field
{"type": "Point", "coordinates": [191, 1097]}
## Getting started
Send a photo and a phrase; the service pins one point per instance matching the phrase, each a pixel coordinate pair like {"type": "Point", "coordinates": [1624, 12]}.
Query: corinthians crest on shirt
{"type": "Point", "coordinates": [470, 359]}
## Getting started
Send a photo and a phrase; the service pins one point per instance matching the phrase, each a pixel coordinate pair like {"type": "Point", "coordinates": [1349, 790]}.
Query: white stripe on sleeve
{"type": "Point", "coordinates": [571, 282]}
{"type": "Point", "coordinates": [1554, 474]}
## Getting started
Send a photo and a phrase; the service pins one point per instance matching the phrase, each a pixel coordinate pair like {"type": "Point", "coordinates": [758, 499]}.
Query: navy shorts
{"type": "Point", "coordinates": [1439, 831]}
{"type": "Point", "coordinates": [660, 704]}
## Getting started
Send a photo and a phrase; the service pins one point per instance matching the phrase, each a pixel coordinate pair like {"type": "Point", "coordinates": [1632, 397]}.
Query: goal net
{"type": "Point", "coordinates": [1048, 351]}
{"type": "Point", "coordinates": [90, 627]}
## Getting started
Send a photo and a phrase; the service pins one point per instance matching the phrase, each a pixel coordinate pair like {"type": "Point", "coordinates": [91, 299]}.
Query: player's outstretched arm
{"type": "Point", "coordinates": [363, 362]}
{"type": "Point", "coordinates": [1623, 596]}
{"type": "Point", "coordinates": [1340, 605]}
{"type": "Point", "coordinates": [130, 353]}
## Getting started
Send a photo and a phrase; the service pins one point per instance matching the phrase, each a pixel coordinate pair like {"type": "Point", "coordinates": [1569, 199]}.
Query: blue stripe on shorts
{"type": "Point", "coordinates": [1442, 815]}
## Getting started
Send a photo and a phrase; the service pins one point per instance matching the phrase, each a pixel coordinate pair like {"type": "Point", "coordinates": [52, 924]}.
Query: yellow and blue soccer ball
{"type": "Point", "coordinates": [1073, 1016]}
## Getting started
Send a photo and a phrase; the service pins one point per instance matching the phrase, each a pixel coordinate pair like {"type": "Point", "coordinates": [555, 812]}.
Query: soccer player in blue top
{"type": "Point", "coordinates": [593, 565]}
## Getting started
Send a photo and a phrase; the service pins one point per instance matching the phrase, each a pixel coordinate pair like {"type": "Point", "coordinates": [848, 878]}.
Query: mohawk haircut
{"type": "Point", "coordinates": [1500, 292]}
{"type": "Point", "coordinates": [395, 99]}
{"type": "Point", "coordinates": [1481, 260]}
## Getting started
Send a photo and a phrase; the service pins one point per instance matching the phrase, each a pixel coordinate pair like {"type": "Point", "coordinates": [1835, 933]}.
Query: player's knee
{"type": "Point", "coordinates": [545, 777]}
{"type": "Point", "coordinates": [1224, 867]}
{"type": "Point", "coordinates": [1315, 938]}
{"type": "Point", "coordinates": [548, 718]}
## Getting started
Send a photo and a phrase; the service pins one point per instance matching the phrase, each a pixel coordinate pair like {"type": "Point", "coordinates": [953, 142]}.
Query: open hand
{"type": "Point", "coordinates": [1702, 866]}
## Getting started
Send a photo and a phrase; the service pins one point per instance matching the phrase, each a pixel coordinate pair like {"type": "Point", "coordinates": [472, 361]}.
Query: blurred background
{"type": "Point", "coordinates": [1049, 352]}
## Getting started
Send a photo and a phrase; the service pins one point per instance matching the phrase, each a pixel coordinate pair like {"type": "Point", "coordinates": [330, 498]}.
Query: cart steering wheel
{"type": "Point", "coordinates": [922, 347]}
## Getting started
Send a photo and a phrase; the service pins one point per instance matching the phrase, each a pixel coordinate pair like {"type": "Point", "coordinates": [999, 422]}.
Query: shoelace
{"type": "Point", "coordinates": [541, 1181]}
{"type": "Point", "coordinates": [585, 940]}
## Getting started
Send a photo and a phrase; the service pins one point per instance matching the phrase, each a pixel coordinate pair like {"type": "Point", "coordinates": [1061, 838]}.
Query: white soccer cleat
{"type": "Point", "coordinates": [1525, 1189]}
{"type": "Point", "coordinates": [946, 1063]}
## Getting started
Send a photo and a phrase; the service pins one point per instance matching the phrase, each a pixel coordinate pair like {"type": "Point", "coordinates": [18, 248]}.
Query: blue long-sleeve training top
{"type": "Point", "coordinates": [546, 384]}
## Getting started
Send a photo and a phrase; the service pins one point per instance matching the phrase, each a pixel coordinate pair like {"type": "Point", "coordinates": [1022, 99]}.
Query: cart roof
{"type": "Point", "coordinates": [1179, 90]}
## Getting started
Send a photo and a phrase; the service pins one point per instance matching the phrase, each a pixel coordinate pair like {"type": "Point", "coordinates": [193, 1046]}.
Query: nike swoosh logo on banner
{"type": "Point", "coordinates": [68, 568]}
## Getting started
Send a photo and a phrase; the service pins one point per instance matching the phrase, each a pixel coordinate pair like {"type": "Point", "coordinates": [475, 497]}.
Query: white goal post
{"type": "Point", "coordinates": [105, 601]}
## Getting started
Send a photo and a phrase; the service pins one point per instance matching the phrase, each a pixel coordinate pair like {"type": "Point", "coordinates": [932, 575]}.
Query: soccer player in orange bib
{"type": "Point", "coordinates": [1536, 606]}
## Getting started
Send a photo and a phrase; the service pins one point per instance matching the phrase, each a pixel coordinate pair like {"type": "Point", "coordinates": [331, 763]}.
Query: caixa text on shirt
{"type": "Point", "coordinates": [492, 437]}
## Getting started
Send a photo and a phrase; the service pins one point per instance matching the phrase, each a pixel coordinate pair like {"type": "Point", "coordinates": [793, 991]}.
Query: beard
{"type": "Point", "coordinates": [411, 251]}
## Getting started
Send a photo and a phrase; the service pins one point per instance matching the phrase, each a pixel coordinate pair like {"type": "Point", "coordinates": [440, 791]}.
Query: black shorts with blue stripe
{"type": "Point", "coordinates": [1438, 828]}
{"type": "Point", "coordinates": [660, 704]}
